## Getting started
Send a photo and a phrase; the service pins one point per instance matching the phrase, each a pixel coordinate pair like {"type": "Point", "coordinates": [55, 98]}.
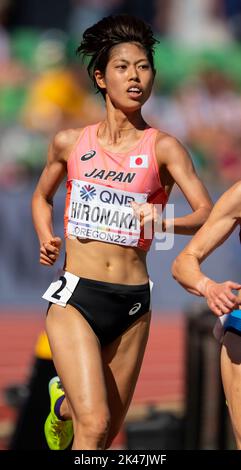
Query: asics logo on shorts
{"type": "Point", "coordinates": [134, 309]}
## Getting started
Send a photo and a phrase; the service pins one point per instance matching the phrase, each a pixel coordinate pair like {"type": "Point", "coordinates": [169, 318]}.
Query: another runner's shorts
{"type": "Point", "coordinates": [233, 322]}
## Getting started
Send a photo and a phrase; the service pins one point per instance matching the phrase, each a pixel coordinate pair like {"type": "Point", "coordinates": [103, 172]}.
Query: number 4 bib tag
{"type": "Point", "coordinates": [60, 290]}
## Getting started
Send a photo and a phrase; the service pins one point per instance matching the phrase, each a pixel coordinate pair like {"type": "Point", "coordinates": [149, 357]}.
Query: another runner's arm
{"type": "Point", "coordinates": [225, 216]}
{"type": "Point", "coordinates": [179, 165]}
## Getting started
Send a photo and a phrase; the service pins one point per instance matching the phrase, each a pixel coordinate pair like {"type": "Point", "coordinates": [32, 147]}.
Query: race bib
{"type": "Point", "coordinates": [103, 213]}
{"type": "Point", "coordinates": [61, 289]}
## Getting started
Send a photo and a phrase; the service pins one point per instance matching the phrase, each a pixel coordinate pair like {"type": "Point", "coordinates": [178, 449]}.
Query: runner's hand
{"type": "Point", "coordinates": [220, 297]}
{"type": "Point", "coordinates": [49, 251]}
{"type": "Point", "coordinates": [145, 213]}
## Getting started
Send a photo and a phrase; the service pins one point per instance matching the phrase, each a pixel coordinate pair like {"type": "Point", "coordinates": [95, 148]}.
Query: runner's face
{"type": "Point", "coordinates": [128, 77]}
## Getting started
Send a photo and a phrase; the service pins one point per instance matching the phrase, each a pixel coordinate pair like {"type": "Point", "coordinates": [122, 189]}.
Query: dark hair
{"type": "Point", "coordinates": [101, 37]}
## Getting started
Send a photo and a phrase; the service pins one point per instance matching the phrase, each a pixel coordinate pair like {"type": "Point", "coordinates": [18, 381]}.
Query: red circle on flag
{"type": "Point", "coordinates": [138, 161]}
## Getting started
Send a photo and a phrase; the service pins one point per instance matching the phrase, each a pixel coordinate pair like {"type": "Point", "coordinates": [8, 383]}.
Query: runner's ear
{"type": "Point", "coordinates": [100, 79]}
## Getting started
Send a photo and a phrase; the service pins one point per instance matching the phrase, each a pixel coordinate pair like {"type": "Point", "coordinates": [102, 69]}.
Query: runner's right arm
{"type": "Point", "coordinates": [42, 200]}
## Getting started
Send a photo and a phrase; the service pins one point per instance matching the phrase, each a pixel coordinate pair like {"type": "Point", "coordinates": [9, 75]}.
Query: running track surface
{"type": "Point", "coordinates": [162, 376]}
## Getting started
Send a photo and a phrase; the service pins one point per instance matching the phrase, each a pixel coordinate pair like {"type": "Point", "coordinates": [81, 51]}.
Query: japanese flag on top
{"type": "Point", "coordinates": [139, 161]}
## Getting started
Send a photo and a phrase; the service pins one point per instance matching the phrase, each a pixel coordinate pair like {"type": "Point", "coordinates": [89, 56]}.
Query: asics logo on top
{"type": "Point", "coordinates": [88, 155]}
{"type": "Point", "coordinates": [134, 309]}
{"type": "Point", "coordinates": [87, 192]}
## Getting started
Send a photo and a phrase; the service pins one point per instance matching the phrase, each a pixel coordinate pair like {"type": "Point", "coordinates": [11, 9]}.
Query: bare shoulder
{"type": "Point", "coordinates": [65, 140]}
{"type": "Point", "coordinates": [169, 147]}
{"type": "Point", "coordinates": [61, 146]}
{"type": "Point", "coordinates": [165, 141]}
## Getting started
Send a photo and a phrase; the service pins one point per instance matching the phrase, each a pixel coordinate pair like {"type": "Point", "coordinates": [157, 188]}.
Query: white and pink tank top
{"type": "Point", "coordinates": [101, 186]}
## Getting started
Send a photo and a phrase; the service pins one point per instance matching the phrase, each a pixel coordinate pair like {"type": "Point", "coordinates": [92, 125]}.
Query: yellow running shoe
{"type": "Point", "coordinates": [58, 433]}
